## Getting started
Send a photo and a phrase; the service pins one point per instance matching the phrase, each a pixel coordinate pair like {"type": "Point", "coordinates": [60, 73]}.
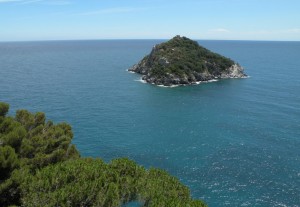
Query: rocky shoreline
{"type": "Point", "coordinates": [235, 71]}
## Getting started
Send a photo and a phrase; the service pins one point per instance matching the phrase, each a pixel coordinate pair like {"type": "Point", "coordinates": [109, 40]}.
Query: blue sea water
{"type": "Point", "coordinates": [234, 142]}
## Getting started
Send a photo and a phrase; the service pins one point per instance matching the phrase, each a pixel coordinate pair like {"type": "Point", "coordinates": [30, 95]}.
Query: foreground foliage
{"type": "Point", "coordinates": [40, 167]}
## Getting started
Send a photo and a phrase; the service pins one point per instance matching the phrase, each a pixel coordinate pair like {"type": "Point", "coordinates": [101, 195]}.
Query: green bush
{"type": "Point", "coordinates": [8, 161]}
{"type": "Point", "coordinates": [3, 108]}
{"type": "Point", "coordinates": [91, 182]}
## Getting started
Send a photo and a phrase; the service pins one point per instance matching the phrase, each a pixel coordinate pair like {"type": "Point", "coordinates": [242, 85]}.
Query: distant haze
{"type": "Point", "coordinates": [22, 20]}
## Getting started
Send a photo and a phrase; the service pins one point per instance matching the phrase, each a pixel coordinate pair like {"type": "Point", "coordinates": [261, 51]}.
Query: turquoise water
{"type": "Point", "coordinates": [233, 142]}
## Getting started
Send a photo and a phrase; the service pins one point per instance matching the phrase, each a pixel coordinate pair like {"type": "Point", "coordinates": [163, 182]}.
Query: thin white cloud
{"type": "Point", "coordinates": [283, 31]}
{"type": "Point", "coordinates": [111, 11]}
{"type": "Point", "coordinates": [220, 30]}
{"type": "Point", "coordinates": [294, 30]}
{"type": "Point", "coordinates": [9, 1]}
{"type": "Point", "coordinates": [30, 1]}
{"type": "Point", "coordinates": [58, 3]}
{"type": "Point", "coordinates": [47, 2]}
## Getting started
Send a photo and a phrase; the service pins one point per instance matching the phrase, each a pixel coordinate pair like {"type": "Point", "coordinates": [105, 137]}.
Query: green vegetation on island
{"type": "Point", "coordinates": [40, 167]}
{"type": "Point", "coordinates": [183, 61]}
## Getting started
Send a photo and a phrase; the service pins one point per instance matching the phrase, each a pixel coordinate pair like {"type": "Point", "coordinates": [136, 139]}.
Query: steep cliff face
{"type": "Point", "coordinates": [181, 61]}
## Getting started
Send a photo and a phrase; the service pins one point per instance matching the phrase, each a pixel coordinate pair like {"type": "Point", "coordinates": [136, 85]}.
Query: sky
{"type": "Point", "coordinates": [23, 20]}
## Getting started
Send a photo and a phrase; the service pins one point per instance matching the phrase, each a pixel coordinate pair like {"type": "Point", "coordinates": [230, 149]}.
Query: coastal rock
{"type": "Point", "coordinates": [181, 61]}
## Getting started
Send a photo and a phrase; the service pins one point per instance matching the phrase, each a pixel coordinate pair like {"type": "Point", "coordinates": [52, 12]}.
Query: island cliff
{"type": "Point", "coordinates": [181, 61]}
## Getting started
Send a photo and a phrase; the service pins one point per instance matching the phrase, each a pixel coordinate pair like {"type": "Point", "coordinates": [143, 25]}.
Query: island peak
{"type": "Point", "coordinates": [182, 61]}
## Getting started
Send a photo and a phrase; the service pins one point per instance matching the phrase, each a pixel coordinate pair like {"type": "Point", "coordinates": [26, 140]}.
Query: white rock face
{"type": "Point", "coordinates": [235, 71]}
{"type": "Point", "coordinates": [164, 61]}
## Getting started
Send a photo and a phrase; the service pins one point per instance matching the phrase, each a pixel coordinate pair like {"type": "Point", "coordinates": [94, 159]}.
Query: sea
{"type": "Point", "coordinates": [233, 142]}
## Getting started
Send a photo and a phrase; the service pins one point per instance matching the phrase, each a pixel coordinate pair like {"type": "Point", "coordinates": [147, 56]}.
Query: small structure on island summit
{"type": "Point", "coordinates": [181, 61]}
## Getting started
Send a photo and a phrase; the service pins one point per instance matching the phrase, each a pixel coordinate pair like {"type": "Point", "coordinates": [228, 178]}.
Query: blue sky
{"type": "Point", "coordinates": [149, 19]}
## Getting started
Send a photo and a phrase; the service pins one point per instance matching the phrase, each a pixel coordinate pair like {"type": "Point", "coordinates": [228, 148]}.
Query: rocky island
{"type": "Point", "coordinates": [181, 61]}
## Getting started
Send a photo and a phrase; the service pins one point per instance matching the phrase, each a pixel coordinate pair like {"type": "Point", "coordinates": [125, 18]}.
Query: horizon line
{"type": "Point", "coordinates": [118, 39]}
